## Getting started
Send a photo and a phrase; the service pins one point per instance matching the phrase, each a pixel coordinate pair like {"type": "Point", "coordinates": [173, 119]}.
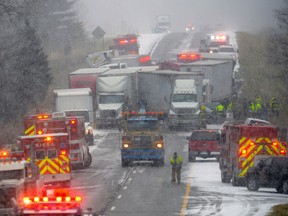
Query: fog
{"type": "Point", "coordinates": [127, 16]}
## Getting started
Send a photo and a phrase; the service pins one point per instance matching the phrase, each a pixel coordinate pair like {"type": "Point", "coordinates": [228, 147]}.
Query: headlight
{"type": "Point", "coordinates": [125, 145]}
{"type": "Point", "coordinates": [159, 145]}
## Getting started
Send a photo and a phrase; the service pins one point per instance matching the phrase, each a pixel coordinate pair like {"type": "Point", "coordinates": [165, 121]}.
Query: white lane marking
{"type": "Point", "coordinates": [134, 171]}
{"type": "Point", "coordinates": [125, 176]}
{"type": "Point", "coordinates": [119, 197]}
{"type": "Point", "coordinates": [113, 208]}
{"type": "Point", "coordinates": [129, 179]}
{"type": "Point", "coordinates": [125, 188]}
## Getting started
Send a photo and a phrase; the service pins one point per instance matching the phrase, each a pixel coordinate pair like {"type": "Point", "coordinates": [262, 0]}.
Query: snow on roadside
{"type": "Point", "coordinates": [147, 42]}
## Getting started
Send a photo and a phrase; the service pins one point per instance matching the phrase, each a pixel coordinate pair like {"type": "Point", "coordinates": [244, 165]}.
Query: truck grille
{"type": "Point", "coordinates": [108, 114]}
{"type": "Point", "coordinates": [185, 111]}
{"type": "Point", "coordinates": [142, 141]}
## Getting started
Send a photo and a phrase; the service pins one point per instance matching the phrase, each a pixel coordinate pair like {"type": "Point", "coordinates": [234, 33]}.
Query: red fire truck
{"type": "Point", "coordinates": [243, 145]}
{"type": "Point", "coordinates": [50, 152]}
{"type": "Point", "coordinates": [58, 123]}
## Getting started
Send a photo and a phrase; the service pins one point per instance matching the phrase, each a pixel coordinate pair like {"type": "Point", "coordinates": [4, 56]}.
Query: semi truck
{"type": "Point", "coordinates": [163, 24]}
{"type": "Point", "coordinates": [75, 102]}
{"type": "Point", "coordinates": [116, 92]}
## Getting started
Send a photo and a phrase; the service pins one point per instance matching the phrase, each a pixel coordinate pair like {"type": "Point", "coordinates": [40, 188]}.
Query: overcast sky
{"type": "Point", "coordinates": [139, 16]}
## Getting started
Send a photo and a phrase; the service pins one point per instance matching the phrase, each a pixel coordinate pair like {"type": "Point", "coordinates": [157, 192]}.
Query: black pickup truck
{"type": "Point", "coordinates": [269, 172]}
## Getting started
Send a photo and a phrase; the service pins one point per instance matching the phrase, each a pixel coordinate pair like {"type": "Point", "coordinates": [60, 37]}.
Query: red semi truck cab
{"type": "Point", "coordinates": [204, 144]}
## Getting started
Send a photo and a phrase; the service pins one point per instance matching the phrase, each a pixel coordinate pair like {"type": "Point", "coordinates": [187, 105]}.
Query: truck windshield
{"type": "Point", "coordinates": [84, 113]}
{"type": "Point", "coordinates": [184, 98]}
{"type": "Point", "coordinates": [11, 174]}
{"type": "Point", "coordinates": [142, 125]}
{"type": "Point", "coordinates": [108, 99]}
{"type": "Point", "coordinates": [204, 135]}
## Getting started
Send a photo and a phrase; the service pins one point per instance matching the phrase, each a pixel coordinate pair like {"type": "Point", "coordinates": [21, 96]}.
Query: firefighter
{"type": "Point", "coordinates": [258, 106]}
{"type": "Point", "coordinates": [251, 108]}
{"type": "Point", "coordinates": [275, 106]}
{"type": "Point", "coordinates": [220, 109]}
{"type": "Point", "coordinates": [89, 134]}
{"type": "Point", "coordinates": [176, 162]}
{"type": "Point", "coordinates": [203, 117]}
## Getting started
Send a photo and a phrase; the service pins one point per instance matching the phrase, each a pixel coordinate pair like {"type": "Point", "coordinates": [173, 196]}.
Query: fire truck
{"type": "Point", "coordinates": [242, 145]}
{"type": "Point", "coordinates": [54, 202]}
{"type": "Point", "coordinates": [17, 177]}
{"type": "Point", "coordinates": [50, 152]}
{"type": "Point", "coordinates": [80, 156]}
{"type": "Point", "coordinates": [141, 139]}
{"type": "Point", "coordinates": [126, 44]}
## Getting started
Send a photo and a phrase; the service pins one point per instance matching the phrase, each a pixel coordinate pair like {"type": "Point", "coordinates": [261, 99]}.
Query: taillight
{"type": "Point", "coordinates": [26, 200]}
{"type": "Point", "coordinates": [78, 199]}
{"type": "Point", "coordinates": [144, 59]}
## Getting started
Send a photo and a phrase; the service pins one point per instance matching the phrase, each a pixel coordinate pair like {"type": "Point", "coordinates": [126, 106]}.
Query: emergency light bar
{"type": "Point", "coordinates": [189, 57]}
{"type": "Point", "coordinates": [144, 59]}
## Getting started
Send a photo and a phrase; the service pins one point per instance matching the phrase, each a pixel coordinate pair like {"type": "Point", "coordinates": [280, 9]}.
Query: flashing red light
{"type": "Point", "coordinates": [36, 199]}
{"type": "Point", "coordinates": [48, 138]}
{"type": "Point", "coordinates": [244, 151]}
{"type": "Point", "coordinates": [59, 199]}
{"type": "Point", "coordinates": [67, 199]}
{"type": "Point", "coordinates": [26, 200]}
{"type": "Point", "coordinates": [189, 57]}
{"type": "Point", "coordinates": [252, 143]}
{"type": "Point", "coordinates": [4, 154]}
{"type": "Point", "coordinates": [45, 199]}
{"type": "Point", "coordinates": [73, 121]}
{"type": "Point", "coordinates": [133, 40]}
{"type": "Point", "coordinates": [221, 37]}
{"type": "Point", "coordinates": [39, 132]}
{"type": "Point", "coordinates": [63, 152]}
{"type": "Point", "coordinates": [144, 59]}
{"type": "Point", "coordinates": [282, 151]}
{"type": "Point", "coordinates": [78, 199]}
{"type": "Point", "coordinates": [274, 143]}
{"type": "Point", "coordinates": [122, 42]}
{"type": "Point", "coordinates": [133, 52]}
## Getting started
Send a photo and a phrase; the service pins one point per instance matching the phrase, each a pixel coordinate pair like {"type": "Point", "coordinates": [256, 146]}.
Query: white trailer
{"type": "Point", "coordinates": [75, 102]}
{"type": "Point", "coordinates": [218, 75]}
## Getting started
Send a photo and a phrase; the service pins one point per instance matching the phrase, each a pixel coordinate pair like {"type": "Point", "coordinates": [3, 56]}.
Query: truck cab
{"type": "Point", "coordinates": [142, 140]}
{"type": "Point", "coordinates": [17, 178]}
{"type": "Point", "coordinates": [184, 105]}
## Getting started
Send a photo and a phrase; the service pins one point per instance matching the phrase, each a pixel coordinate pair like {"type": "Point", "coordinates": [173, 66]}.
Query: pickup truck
{"type": "Point", "coordinates": [204, 144]}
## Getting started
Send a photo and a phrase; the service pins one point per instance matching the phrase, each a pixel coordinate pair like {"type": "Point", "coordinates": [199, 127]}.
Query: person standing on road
{"type": "Point", "coordinates": [176, 162]}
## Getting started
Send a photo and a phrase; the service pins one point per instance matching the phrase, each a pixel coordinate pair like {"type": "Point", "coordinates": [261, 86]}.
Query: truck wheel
{"type": "Point", "coordinates": [88, 162]}
{"type": "Point", "coordinates": [285, 187]}
{"type": "Point", "coordinates": [159, 162]}
{"type": "Point", "coordinates": [252, 184]}
{"type": "Point", "coordinates": [234, 179]}
{"type": "Point", "coordinates": [192, 158]}
{"type": "Point", "coordinates": [225, 178]}
{"type": "Point", "coordinates": [125, 162]}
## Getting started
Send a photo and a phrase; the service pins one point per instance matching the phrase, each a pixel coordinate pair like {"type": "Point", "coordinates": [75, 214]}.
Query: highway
{"type": "Point", "coordinates": [143, 190]}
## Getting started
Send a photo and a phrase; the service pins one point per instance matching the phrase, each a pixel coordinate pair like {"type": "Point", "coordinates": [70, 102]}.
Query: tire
{"type": "Point", "coordinates": [159, 162]}
{"type": "Point", "coordinates": [88, 162]}
{"type": "Point", "coordinates": [252, 184]}
{"type": "Point", "coordinates": [225, 178]}
{"type": "Point", "coordinates": [125, 162]}
{"type": "Point", "coordinates": [234, 179]}
{"type": "Point", "coordinates": [192, 158]}
{"type": "Point", "coordinates": [285, 187]}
